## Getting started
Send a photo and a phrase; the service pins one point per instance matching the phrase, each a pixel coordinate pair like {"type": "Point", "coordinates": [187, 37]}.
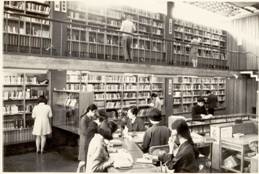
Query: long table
{"type": "Point", "coordinates": [130, 144]}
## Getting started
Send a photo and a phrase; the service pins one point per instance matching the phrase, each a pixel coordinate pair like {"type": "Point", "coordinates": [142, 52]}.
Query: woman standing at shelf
{"type": "Point", "coordinates": [41, 113]}
{"type": "Point", "coordinates": [134, 123]}
{"type": "Point", "coordinates": [84, 134]}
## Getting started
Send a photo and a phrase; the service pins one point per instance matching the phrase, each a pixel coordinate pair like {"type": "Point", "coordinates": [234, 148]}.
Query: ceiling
{"type": "Point", "coordinates": [228, 9]}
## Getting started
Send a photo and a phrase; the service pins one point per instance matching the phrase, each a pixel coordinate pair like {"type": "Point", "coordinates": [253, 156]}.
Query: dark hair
{"type": "Point", "coordinates": [91, 107]}
{"type": "Point", "coordinates": [182, 129]}
{"type": "Point", "coordinates": [113, 126]}
{"type": "Point", "coordinates": [200, 99]}
{"type": "Point", "coordinates": [155, 114]}
{"type": "Point", "coordinates": [208, 92]}
{"type": "Point", "coordinates": [102, 115]}
{"type": "Point", "coordinates": [42, 99]}
{"type": "Point", "coordinates": [134, 110]}
{"type": "Point", "coordinates": [153, 95]}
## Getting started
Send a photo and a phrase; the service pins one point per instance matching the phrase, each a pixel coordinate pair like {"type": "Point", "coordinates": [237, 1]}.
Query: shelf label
{"type": "Point", "coordinates": [170, 26]}
{"type": "Point", "coordinates": [170, 87]}
{"type": "Point", "coordinates": [57, 5]}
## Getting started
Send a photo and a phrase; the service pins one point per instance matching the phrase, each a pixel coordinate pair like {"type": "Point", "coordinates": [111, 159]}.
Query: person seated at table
{"type": "Point", "coordinates": [98, 159]}
{"type": "Point", "coordinates": [183, 155]}
{"type": "Point", "coordinates": [103, 118]}
{"type": "Point", "coordinates": [157, 134]}
{"type": "Point", "coordinates": [199, 111]}
{"type": "Point", "coordinates": [134, 123]}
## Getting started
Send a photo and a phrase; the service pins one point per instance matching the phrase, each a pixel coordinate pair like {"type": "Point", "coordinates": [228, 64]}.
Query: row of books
{"type": "Point", "coordinates": [13, 95]}
{"type": "Point", "coordinates": [37, 8]}
{"type": "Point", "coordinates": [27, 41]}
{"type": "Point", "coordinates": [200, 27]}
{"type": "Point", "coordinates": [12, 109]}
{"type": "Point", "coordinates": [18, 108]}
{"type": "Point", "coordinates": [73, 87]}
{"type": "Point", "coordinates": [18, 136]}
{"type": "Point", "coordinates": [112, 96]}
{"type": "Point", "coordinates": [15, 4]}
{"type": "Point", "coordinates": [34, 93]}
{"type": "Point", "coordinates": [13, 124]}
{"type": "Point", "coordinates": [198, 80]}
{"type": "Point", "coordinates": [18, 79]}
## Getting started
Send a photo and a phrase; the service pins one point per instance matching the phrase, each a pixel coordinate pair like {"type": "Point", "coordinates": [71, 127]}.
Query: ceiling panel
{"type": "Point", "coordinates": [227, 9]}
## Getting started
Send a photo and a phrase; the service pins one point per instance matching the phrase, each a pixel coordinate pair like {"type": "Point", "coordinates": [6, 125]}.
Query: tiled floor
{"type": "Point", "coordinates": [32, 162]}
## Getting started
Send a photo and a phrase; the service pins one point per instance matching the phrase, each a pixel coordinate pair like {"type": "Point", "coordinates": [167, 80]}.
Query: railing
{"type": "Point", "coordinates": [26, 34]}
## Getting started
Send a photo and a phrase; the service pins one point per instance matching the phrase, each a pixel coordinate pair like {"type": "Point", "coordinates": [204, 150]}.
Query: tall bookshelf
{"type": "Point", "coordinates": [212, 50]}
{"type": "Point", "coordinates": [98, 43]}
{"type": "Point", "coordinates": [187, 89]}
{"type": "Point", "coordinates": [20, 93]}
{"type": "Point", "coordinates": [114, 91]}
{"type": "Point", "coordinates": [28, 34]}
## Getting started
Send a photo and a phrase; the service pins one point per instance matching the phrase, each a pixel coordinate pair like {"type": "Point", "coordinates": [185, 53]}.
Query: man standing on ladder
{"type": "Point", "coordinates": [194, 51]}
{"type": "Point", "coordinates": [127, 27]}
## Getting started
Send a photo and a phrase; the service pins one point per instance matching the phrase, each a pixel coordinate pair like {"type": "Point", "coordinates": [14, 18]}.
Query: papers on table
{"type": "Point", "coordinates": [122, 159]}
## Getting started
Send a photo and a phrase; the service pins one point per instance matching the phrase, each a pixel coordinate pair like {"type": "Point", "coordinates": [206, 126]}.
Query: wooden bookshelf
{"type": "Point", "coordinates": [212, 48]}
{"type": "Point", "coordinates": [106, 43]}
{"type": "Point", "coordinates": [187, 89]}
{"type": "Point", "coordinates": [27, 33]}
{"type": "Point", "coordinates": [20, 93]}
{"type": "Point", "coordinates": [114, 91]}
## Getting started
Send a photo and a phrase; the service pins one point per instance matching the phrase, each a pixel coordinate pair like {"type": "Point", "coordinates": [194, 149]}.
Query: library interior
{"type": "Point", "coordinates": [157, 86]}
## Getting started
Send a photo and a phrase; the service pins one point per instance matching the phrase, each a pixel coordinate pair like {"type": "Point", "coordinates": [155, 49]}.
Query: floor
{"type": "Point", "coordinates": [63, 159]}
{"type": "Point", "coordinates": [51, 161]}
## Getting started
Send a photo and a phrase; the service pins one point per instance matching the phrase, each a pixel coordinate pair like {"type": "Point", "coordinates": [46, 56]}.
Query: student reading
{"type": "Point", "coordinates": [182, 158]}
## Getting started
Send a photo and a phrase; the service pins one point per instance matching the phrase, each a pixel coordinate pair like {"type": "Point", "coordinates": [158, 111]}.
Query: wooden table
{"type": "Point", "coordinates": [130, 145]}
{"type": "Point", "coordinates": [238, 145]}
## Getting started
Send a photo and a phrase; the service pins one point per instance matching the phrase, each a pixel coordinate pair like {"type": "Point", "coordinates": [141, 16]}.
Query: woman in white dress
{"type": "Point", "coordinates": [41, 113]}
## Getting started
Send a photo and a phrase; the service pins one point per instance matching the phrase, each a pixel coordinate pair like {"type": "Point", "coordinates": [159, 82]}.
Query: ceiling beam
{"type": "Point", "coordinates": [240, 7]}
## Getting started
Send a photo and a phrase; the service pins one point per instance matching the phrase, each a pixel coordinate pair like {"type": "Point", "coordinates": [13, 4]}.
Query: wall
{"type": "Point", "coordinates": [241, 94]}
{"type": "Point", "coordinates": [244, 31]}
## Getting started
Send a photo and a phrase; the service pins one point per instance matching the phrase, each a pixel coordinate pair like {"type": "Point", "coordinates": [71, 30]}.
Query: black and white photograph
{"type": "Point", "coordinates": [129, 86]}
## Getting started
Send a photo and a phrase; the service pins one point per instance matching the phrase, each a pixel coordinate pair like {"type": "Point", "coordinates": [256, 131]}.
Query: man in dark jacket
{"type": "Point", "coordinates": [157, 134]}
{"type": "Point", "coordinates": [212, 102]}
{"type": "Point", "coordinates": [199, 111]}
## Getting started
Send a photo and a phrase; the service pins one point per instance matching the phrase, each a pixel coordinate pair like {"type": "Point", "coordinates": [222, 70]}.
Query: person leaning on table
{"type": "Point", "coordinates": [157, 134]}
{"type": "Point", "coordinates": [199, 111]}
{"type": "Point", "coordinates": [134, 123]}
{"type": "Point", "coordinates": [183, 155]}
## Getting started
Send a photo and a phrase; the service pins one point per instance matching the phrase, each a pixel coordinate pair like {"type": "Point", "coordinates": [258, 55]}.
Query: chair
{"type": "Point", "coordinates": [159, 150]}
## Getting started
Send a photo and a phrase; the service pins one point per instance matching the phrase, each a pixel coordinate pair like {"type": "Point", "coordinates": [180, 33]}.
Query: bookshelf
{"type": "Point", "coordinates": [30, 34]}
{"type": "Point", "coordinates": [212, 50]}
{"type": "Point", "coordinates": [68, 106]}
{"type": "Point", "coordinates": [187, 89]}
{"type": "Point", "coordinates": [98, 43]}
{"type": "Point", "coordinates": [116, 91]}
{"type": "Point", "coordinates": [20, 92]}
